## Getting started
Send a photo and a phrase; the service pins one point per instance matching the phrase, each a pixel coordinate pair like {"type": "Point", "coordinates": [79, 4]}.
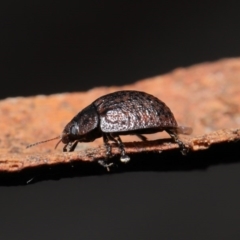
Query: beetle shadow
{"type": "Point", "coordinates": [165, 161]}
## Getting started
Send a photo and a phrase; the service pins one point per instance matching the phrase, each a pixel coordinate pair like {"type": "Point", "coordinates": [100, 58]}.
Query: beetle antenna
{"type": "Point", "coordinates": [58, 143]}
{"type": "Point", "coordinates": [34, 144]}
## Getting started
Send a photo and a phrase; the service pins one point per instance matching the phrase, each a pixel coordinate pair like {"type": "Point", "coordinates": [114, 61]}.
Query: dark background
{"type": "Point", "coordinates": [54, 46]}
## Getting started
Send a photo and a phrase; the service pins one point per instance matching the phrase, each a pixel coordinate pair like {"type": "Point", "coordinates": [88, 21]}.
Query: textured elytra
{"type": "Point", "coordinates": [126, 111]}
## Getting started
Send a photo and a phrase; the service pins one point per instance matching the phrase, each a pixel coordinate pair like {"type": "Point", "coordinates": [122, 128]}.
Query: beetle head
{"type": "Point", "coordinates": [76, 131]}
{"type": "Point", "coordinates": [70, 133]}
{"type": "Point", "coordinates": [82, 128]}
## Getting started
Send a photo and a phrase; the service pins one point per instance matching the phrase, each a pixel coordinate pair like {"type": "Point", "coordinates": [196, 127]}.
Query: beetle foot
{"type": "Point", "coordinates": [184, 150]}
{"type": "Point", "coordinates": [124, 158]}
{"type": "Point", "coordinates": [105, 164]}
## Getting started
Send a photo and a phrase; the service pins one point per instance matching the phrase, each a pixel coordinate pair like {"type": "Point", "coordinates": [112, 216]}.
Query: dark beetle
{"type": "Point", "coordinates": [121, 113]}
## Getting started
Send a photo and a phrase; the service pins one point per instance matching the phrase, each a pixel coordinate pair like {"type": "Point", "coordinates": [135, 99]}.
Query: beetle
{"type": "Point", "coordinates": [121, 113]}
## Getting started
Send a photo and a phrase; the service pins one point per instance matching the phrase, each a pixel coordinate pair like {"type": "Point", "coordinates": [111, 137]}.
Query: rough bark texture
{"type": "Point", "coordinates": [205, 97]}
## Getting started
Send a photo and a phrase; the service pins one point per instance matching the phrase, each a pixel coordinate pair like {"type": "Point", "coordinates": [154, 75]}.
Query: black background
{"type": "Point", "coordinates": [54, 46]}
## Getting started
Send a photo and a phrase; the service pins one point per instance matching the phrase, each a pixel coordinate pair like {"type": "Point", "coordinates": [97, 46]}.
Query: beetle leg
{"type": "Point", "coordinates": [73, 146]}
{"type": "Point", "coordinates": [124, 158]}
{"type": "Point", "coordinates": [65, 148]}
{"type": "Point", "coordinates": [174, 136]}
{"type": "Point", "coordinates": [143, 138]}
{"type": "Point", "coordinates": [107, 145]}
{"type": "Point", "coordinates": [104, 163]}
{"type": "Point", "coordinates": [69, 147]}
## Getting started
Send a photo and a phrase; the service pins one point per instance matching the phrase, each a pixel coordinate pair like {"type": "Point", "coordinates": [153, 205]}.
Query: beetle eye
{"type": "Point", "coordinates": [74, 129]}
